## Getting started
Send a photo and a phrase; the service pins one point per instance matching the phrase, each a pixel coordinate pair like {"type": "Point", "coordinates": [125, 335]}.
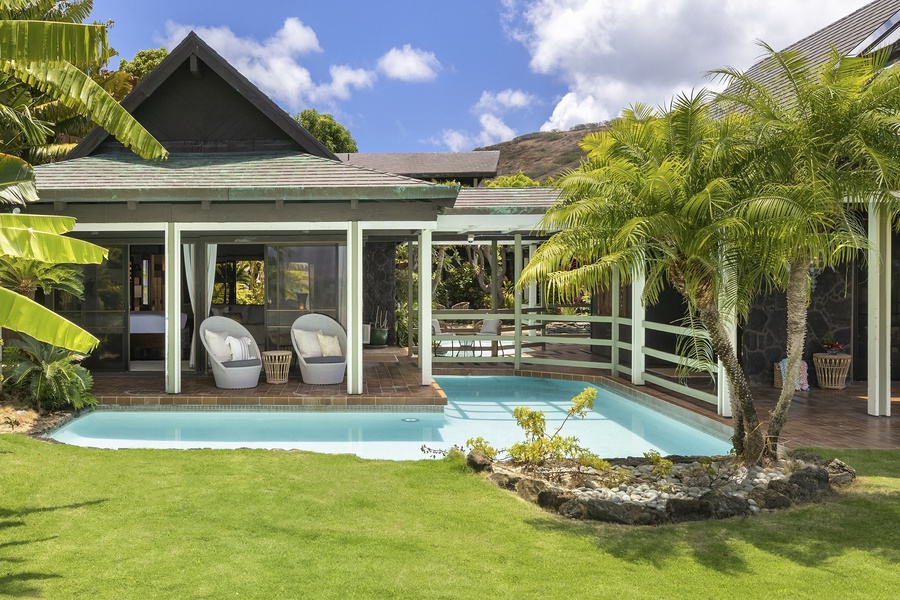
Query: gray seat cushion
{"type": "Point", "coordinates": [320, 360]}
{"type": "Point", "coordinates": [250, 362]}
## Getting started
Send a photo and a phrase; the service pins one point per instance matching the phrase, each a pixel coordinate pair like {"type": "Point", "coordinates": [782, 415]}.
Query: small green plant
{"type": "Point", "coordinates": [48, 376]}
{"type": "Point", "coordinates": [661, 466]}
{"type": "Point", "coordinates": [482, 445]}
{"type": "Point", "coordinates": [539, 448]}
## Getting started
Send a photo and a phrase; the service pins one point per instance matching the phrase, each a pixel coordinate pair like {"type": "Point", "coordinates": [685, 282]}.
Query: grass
{"type": "Point", "coordinates": [78, 522]}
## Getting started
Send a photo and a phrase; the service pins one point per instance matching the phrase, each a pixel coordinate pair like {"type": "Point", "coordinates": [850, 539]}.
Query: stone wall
{"type": "Point", "coordinates": [830, 313]}
{"type": "Point", "coordinates": [379, 284]}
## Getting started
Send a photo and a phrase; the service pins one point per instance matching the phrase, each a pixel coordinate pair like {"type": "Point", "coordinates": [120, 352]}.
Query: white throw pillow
{"type": "Point", "coordinates": [217, 345]}
{"type": "Point", "coordinates": [331, 345]}
{"type": "Point", "coordinates": [308, 343]}
{"type": "Point", "coordinates": [241, 347]}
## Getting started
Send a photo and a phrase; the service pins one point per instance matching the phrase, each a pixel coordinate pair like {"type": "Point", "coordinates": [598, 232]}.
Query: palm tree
{"type": "Point", "coordinates": [655, 197]}
{"type": "Point", "coordinates": [826, 146]}
{"type": "Point", "coordinates": [25, 277]}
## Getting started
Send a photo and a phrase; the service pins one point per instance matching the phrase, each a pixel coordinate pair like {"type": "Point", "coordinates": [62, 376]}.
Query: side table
{"type": "Point", "coordinates": [277, 363]}
{"type": "Point", "coordinates": [831, 370]}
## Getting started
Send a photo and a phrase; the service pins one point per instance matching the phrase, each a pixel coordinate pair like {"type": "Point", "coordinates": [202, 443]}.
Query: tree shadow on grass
{"type": "Point", "coordinates": [21, 512]}
{"type": "Point", "coordinates": [809, 536]}
{"type": "Point", "coordinates": [21, 584]}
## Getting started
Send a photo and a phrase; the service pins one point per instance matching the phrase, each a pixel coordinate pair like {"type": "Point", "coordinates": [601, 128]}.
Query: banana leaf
{"type": "Point", "coordinates": [27, 316]}
{"type": "Point", "coordinates": [48, 247]}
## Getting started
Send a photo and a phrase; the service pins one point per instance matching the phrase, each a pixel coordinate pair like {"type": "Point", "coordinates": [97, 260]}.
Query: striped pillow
{"type": "Point", "coordinates": [241, 348]}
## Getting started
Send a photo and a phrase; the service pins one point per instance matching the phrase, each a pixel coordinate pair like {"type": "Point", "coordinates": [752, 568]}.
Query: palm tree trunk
{"type": "Point", "coordinates": [747, 437]}
{"type": "Point", "coordinates": [798, 280]}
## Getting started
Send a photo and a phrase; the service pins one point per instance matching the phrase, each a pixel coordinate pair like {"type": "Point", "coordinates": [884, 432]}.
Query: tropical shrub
{"type": "Point", "coordinates": [47, 377]}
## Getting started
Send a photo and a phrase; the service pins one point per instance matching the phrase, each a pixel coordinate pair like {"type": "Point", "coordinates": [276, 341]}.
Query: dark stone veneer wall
{"type": "Point", "coordinates": [380, 283]}
{"type": "Point", "coordinates": [830, 313]}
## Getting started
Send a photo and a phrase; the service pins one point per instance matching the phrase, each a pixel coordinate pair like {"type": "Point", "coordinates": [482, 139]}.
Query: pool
{"type": "Point", "coordinates": [476, 406]}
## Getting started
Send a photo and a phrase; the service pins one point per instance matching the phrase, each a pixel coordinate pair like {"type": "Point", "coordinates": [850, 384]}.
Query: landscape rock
{"type": "Point", "coordinates": [552, 498]}
{"type": "Point", "coordinates": [840, 473]}
{"type": "Point", "coordinates": [631, 492]}
{"type": "Point", "coordinates": [723, 506]}
{"type": "Point", "coordinates": [528, 489]}
{"type": "Point", "coordinates": [478, 461]}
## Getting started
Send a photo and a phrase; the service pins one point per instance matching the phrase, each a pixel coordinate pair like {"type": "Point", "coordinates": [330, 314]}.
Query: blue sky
{"type": "Point", "coordinates": [430, 75]}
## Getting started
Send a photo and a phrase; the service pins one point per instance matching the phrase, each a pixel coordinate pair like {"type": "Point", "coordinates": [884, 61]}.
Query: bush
{"type": "Point", "coordinates": [47, 377]}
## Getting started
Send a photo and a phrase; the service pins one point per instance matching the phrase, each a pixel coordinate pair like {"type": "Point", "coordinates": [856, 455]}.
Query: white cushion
{"type": "Point", "coordinates": [436, 326]}
{"type": "Point", "coordinates": [241, 347]}
{"type": "Point", "coordinates": [490, 327]}
{"type": "Point", "coordinates": [215, 340]}
{"type": "Point", "coordinates": [330, 344]}
{"type": "Point", "coordinates": [308, 342]}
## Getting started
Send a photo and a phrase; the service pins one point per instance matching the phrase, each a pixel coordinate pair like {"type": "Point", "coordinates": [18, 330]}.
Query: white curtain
{"type": "Point", "coordinates": [210, 280]}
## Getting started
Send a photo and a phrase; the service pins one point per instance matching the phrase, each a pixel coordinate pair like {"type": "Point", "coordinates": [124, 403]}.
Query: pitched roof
{"type": "Point", "coordinates": [505, 200]}
{"type": "Point", "coordinates": [191, 50]}
{"type": "Point", "coordinates": [432, 165]}
{"type": "Point", "coordinates": [231, 176]}
{"type": "Point", "coordinates": [864, 30]}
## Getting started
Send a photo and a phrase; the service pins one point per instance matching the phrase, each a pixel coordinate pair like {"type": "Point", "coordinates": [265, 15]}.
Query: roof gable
{"type": "Point", "coordinates": [194, 101]}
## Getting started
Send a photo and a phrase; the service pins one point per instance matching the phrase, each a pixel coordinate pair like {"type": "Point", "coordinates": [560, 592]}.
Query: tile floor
{"type": "Point", "coordinates": [826, 418]}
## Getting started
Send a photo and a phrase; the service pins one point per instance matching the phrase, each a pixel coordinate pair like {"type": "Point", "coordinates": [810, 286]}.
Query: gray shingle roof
{"type": "Point", "coordinates": [428, 164]}
{"type": "Point", "coordinates": [844, 34]}
{"type": "Point", "coordinates": [505, 200]}
{"type": "Point", "coordinates": [115, 177]}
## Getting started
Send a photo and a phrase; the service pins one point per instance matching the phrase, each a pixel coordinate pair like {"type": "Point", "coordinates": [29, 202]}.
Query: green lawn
{"type": "Point", "coordinates": [95, 524]}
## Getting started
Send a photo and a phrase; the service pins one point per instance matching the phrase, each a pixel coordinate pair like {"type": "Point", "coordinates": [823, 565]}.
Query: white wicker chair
{"type": "Point", "coordinates": [233, 374]}
{"type": "Point", "coordinates": [326, 370]}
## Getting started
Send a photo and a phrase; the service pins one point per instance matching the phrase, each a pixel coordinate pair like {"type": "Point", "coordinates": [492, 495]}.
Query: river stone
{"type": "Point", "coordinates": [840, 473]}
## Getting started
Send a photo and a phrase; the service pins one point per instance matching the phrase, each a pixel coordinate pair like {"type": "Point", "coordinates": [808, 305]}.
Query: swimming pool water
{"type": "Point", "coordinates": [477, 406]}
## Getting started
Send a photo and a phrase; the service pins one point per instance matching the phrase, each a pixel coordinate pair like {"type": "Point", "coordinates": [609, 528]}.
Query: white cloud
{"type": "Point", "coordinates": [507, 99]}
{"type": "Point", "coordinates": [273, 64]}
{"type": "Point", "coordinates": [494, 130]}
{"type": "Point", "coordinates": [457, 141]}
{"type": "Point", "coordinates": [409, 64]}
{"type": "Point", "coordinates": [611, 54]}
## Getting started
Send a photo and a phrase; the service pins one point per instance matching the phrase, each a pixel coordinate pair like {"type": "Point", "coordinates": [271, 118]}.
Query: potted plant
{"type": "Point", "coordinates": [378, 336]}
{"type": "Point", "coordinates": [831, 345]}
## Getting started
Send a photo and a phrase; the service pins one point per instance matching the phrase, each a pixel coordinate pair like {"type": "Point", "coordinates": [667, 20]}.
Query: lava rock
{"type": "Point", "coordinates": [552, 498]}
{"type": "Point", "coordinates": [479, 461]}
{"type": "Point", "coordinates": [528, 489]}
{"type": "Point", "coordinates": [722, 506]}
{"type": "Point", "coordinates": [840, 473]}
